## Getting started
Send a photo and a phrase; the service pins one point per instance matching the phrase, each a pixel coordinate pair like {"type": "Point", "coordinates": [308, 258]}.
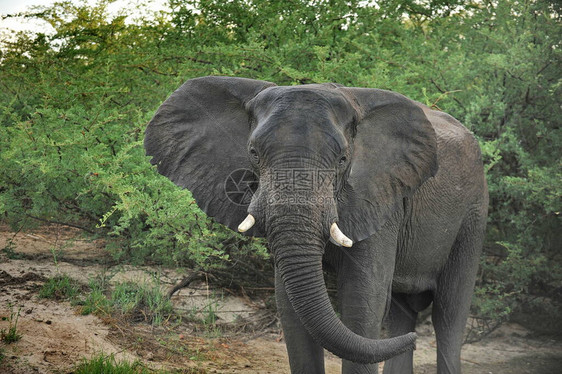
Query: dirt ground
{"type": "Point", "coordinates": [55, 337]}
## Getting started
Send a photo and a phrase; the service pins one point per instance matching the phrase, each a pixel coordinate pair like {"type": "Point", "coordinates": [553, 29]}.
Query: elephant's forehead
{"type": "Point", "coordinates": [306, 100]}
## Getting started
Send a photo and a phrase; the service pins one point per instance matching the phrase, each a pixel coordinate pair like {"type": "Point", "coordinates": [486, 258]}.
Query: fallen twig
{"type": "Point", "coordinates": [185, 282]}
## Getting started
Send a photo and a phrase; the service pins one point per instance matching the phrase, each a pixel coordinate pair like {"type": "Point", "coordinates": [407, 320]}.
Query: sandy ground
{"type": "Point", "coordinates": [55, 337]}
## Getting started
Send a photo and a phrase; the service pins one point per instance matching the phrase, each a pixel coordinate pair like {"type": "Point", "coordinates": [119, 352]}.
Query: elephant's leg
{"type": "Point", "coordinates": [453, 296]}
{"type": "Point", "coordinates": [364, 282]}
{"type": "Point", "coordinates": [305, 355]}
{"type": "Point", "coordinates": [401, 320]}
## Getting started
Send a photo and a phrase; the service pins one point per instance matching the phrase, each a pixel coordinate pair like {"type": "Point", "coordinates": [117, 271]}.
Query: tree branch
{"type": "Point", "coordinates": [61, 223]}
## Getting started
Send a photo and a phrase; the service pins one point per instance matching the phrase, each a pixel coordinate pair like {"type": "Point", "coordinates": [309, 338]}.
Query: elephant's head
{"type": "Point", "coordinates": [328, 160]}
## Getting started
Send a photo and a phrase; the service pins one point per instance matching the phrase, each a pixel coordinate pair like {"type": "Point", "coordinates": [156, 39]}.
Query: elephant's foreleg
{"type": "Point", "coordinates": [401, 320]}
{"type": "Point", "coordinates": [364, 282]}
{"type": "Point", "coordinates": [305, 355]}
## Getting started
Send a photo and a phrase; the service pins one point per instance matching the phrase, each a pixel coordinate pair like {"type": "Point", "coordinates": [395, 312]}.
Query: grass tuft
{"type": "Point", "coordinates": [96, 301]}
{"type": "Point", "coordinates": [141, 302]}
{"type": "Point", "coordinates": [60, 287]}
{"type": "Point", "coordinates": [11, 335]}
{"type": "Point", "coordinates": [136, 302]}
{"type": "Point", "coordinates": [107, 364]}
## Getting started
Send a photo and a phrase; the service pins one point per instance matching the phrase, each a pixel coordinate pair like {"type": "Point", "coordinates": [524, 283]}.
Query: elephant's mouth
{"type": "Point", "coordinates": [335, 233]}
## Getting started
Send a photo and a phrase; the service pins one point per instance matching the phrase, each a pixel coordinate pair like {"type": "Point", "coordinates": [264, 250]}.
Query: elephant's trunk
{"type": "Point", "coordinates": [298, 245]}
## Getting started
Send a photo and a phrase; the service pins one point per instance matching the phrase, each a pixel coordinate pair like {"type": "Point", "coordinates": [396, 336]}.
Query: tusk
{"type": "Point", "coordinates": [339, 237]}
{"type": "Point", "coordinates": [247, 223]}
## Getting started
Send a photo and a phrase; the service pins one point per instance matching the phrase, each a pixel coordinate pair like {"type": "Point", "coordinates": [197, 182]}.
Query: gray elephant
{"type": "Point", "coordinates": [388, 193]}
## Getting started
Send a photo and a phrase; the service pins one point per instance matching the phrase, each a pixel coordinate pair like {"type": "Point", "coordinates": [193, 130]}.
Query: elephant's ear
{"type": "Point", "coordinates": [395, 151]}
{"type": "Point", "coordinates": [198, 138]}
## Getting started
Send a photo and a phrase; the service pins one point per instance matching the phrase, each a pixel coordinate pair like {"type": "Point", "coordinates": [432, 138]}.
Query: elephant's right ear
{"type": "Point", "coordinates": [395, 152]}
{"type": "Point", "coordinates": [198, 138]}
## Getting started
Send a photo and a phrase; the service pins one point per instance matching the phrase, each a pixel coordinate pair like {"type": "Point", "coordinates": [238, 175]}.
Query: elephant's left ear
{"type": "Point", "coordinates": [395, 151]}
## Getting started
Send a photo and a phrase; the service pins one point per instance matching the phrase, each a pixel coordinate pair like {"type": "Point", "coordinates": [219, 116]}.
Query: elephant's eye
{"type": "Point", "coordinates": [254, 155]}
{"type": "Point", "coordinates": [342, 161]}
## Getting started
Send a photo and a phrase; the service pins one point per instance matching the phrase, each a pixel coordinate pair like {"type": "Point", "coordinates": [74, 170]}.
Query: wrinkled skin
{"type": "Point", "coordinates": [403, 182]}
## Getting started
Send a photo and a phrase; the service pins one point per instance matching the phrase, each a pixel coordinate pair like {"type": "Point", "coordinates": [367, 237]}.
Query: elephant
{"type": "Point", "coordinates": [384, 191]}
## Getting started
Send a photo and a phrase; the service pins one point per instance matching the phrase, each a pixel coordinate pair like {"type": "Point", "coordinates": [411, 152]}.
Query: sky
{"type": "Point", "coordinates": [17, 6]}
{"type": "Point", "coordinates": [19, 24]}
{"type": "Point", "coordinates": [14, 6]}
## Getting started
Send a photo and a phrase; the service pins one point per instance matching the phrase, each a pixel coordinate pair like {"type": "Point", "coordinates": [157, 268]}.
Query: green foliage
{"type": "Point", "coordinates": [59, 287]}
{"type": "Point", "coordinates": [107, 364]}
{"type": "Point", "coordinates": [73, 113]}
{"type": "Point", "coordinates": [11, 335]}
{"type": "Point", "coordinates": [74, 105]}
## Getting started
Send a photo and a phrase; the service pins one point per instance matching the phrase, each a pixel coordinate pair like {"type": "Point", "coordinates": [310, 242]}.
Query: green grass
{"type": "Point", "coordinates": [141, 302]}
{"type": "Point", "coordinates": [137, 302]}
{"type": "Point", "coordinates": [210, 319]}
{"type": "Point", "coordinates": [107, 364]}
{"type": "Point", "coordinates": [11, 335]}
{"type": "Point", "coordinates": [59, 287]}
{"type": "Point", "coordinates": [96, 301]}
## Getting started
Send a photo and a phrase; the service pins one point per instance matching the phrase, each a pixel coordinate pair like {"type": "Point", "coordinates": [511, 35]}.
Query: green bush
{"type": "Point", "coordinates": [74, 105]}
